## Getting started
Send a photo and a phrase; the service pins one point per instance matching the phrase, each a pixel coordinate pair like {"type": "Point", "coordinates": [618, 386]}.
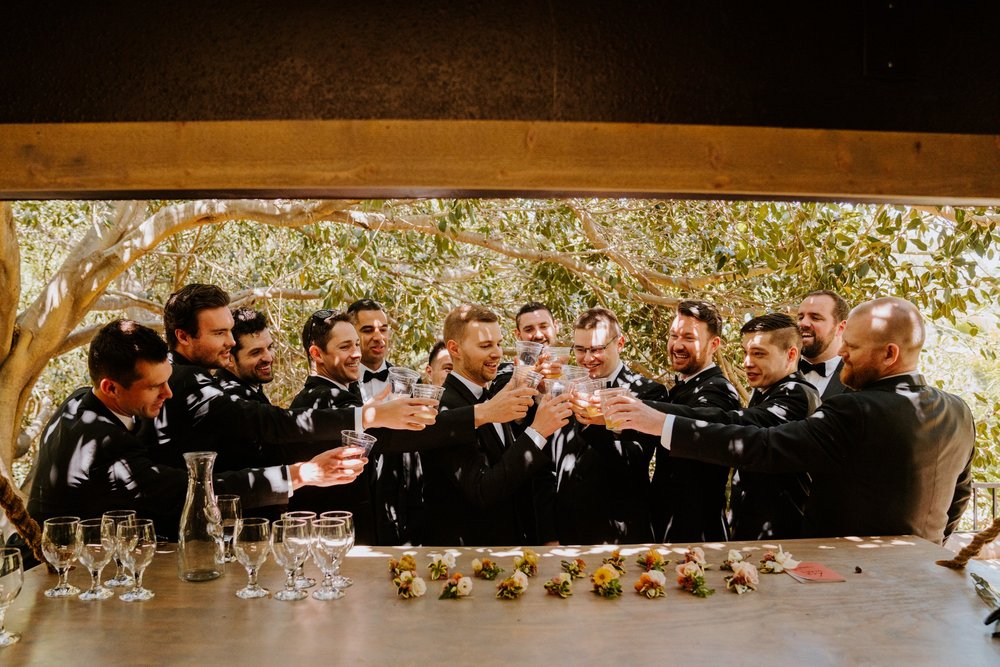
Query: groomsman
{"type": "Point", "coordinates": [485, 493]}
{"type": "Point", "coordinates": [251, 359]}
{"type": "Point", "coordinates": [689, 497]}
{"type": "Point", "coordinates": [892, 457]}
{"type": "Point", "coordinates": [534, 322]}
{"type": "Point", "coordinates": [822, 317]}
{"type": "Point", "coordinates": [602, 492]}
{"type": "Point", "coordinates": [438, 364]}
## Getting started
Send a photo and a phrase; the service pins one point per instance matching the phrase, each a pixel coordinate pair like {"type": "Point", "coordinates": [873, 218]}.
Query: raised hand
{"type": "Point", "coordinates": [340, 465]}
{"type": "Point", "coordinates": [409, 414]}
{"type": "Point", "coordinates": [587, 408]}
{"type": "Point", "coordinates": [552, 414]}
{"type": "Point", "coordinates": [633, 414]}
{"type": "Point", "coordinates": [509, 404]}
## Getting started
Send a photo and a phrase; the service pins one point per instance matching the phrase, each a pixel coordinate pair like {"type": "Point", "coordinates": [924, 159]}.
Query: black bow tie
{"type": "Point", "coordinates": [819, 369]}
{"type": "Point", "coordinates": [382, 376]}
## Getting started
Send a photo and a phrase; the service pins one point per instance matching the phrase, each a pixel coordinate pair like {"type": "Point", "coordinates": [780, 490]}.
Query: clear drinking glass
{"type": "Point", "coordinates": [97, 545]}
{"type": "Point", "coordinates": [301, 580]}
{"type": "Point", "coordinates": [61, 545]}
{"type": "Point", "coordinates": [11, 578]}
{"type": "Point", "coordinates": [527, 352]}
{"type": "Point", "coordinates": [331, 541]}
{"type": "Point", "coordinates": [605, 395]}
{"type": "Point", "coordinates": [138, 542]}
{"type": "Point", "coordinates": [402, 381]}
{"type": "Point", "coordinates": [290, 545]}
{"type": "Point", "coordinates": [340, 581]}
{"type": "Point", "coordinates": [357, 439]}
{"type": "Point", "coordinates": [230, 510]}
{"type": "Point", "coordinates": [122, 579]}
{"type": "Point", "coordinates": [251, 542]}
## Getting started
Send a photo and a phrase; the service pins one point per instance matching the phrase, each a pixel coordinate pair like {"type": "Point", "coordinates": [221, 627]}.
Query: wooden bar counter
{"type": "Point", "coordinates": [900, 609]}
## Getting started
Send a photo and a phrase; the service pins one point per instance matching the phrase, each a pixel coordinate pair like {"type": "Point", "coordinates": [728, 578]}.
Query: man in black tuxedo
{"type": "Point", "coordinates": [765, 505]}
{"type": "Point", "coordinates": [602, 492]}
{"type": "Point", "coordinates": [485, 494]}
{"type": "Point", "coordinates": [201, 417]}
{"type": "Point", "coordinates": [689, 497]}
{"type": "Point", "coordinates": [893, 457]}
{"type": "Point", "coordinates": [822, 317]}
{"type": "Point", "coordinates": [251, 360]}
{"type": "Point", "coordinates": [438, 364]}
{"type": "Point", "coordinates": [90, 460]}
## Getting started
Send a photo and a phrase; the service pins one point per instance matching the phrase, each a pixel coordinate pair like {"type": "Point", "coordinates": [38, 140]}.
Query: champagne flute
{"type": "Point", "coordinates": [139, 540]}
{"type": "Point", "coordinates": [97, 546]}
{"type": "Point", "coordinates": [230, 511]}
{"type": "Point", "coordinates": [122, 578]}
{"type": "Point", "coordinates": [251, 542]}
{"type": "Point", "coordinates": [61, 544]}
{"type": "Point", "coordinates": [339, 580]}
{"type": "Point", "coordinates": [331, 541]}
{"type": "Point", "coordinates": [290, 544]}
{"type": "Point", "coordinates": [301, 580]}
{"type": "Point", "coordinates": [11, 578]}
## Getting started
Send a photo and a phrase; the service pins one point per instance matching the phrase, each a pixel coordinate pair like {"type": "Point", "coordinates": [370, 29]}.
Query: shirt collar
{"type": "Point", "coordinates": [476, 390]}
{"type": "Point", "coordinates": [685, 378]}
{"type": "Point", "coordinates": [331, 381]}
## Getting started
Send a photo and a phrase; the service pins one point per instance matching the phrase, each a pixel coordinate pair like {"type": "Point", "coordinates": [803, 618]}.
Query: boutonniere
{"type": "Point", "coordinates": [617, 561]}
{"type": "Point", "coordinates": [409, 586]}
{"type": "Point", "coordinates": [439, 566]}
{"type": "Point", "coordinates": [651, 584]}
{"type": "Point", "coordinates": [651, 560]}
{"type": "Point", "coordinates": [528, 563]}
{"type": "Point", "coordinates": [575, 568]}
{"type": "Point", "coordinates": [456, 587]}
{"type": "Point", "coordinates": [404, 564]}
{"type": "Point", "coordinates": [744, 578]}
{"type": "Point", "coordinates": [691, 577]}
{"type": "Point", "coordinates": [560, 585]}
{"type": "Point", "coordinates": [734, 556]}
{"type": "Point", "coordinates": [697, 555]}
{"type": "Point", "coordinates": [513, 586]}
{"type": "Point", "coordinates": [772, 563]}
{"type": "Point", "coordinates": [606, 581]}
{"type": "Point", "coordinates": [486, 569]}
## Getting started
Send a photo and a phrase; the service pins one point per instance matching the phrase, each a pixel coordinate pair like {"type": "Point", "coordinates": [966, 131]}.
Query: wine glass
{"type": "Point", "coordinates": [331, 541]}
{"type": "Point", "coordinates": [61, 544]}
{"type": "Point", "coordinates": [97, 544]}
{"type": "Point", "coordinates": [122, 578]}
{"type": "Point", "coordinates": [251, 542]}
{"type": "Point", "coordinates": [301, 580]}
{"type": "Point", "coordinates": [138, 542]}
{"type": "Point", "coordinates": [11, 578]}
{"type": "Point", "coordinates": [290, 545]}
{"type": "Point", "coordinates": [229, 511]}
{"type": "Point", "coordinates": [339, 580]}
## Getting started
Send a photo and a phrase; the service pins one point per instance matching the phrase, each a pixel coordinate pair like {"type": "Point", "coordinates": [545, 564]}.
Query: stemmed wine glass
{"type": "Point", "coordinates": [331, 541]}
{"type": "Point", "coordinates": [230, 511]}
{"type": "Point", "coordinates": [138, 542]}
{"type": "Point", "coordinates": [97, 545]}
{"type": "Point", "coordinates": [301, 580]}
{"type": "Point", "coordinates": [11, 578]}
{"type": "Point", "coordinates": [61, 544]}
{"type": "Point", "coordinates": [290, 545]}
{"type": "Point", "coordinates": [340, 581]}
{"type": "Point", "coordinates": [122, 578]}
{"type": "Point", "coordinates": [251, 542]}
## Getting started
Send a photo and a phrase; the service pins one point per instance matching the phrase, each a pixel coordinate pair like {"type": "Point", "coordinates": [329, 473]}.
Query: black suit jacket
{"type": "Point", "coordinates": [689, 497]}
{"type": "Point", "coordinates": [602, 492]}
{"type": "Point", "coordinates": [480, 492]}
{"type": "Point", "coordinates": [764, 505]}
{"type": "Point", "coordinates": [834, 386]}
{"type": "Point", "coordinates": [894, 458]}
{"type": "Point", "coordinates": [89, 463]}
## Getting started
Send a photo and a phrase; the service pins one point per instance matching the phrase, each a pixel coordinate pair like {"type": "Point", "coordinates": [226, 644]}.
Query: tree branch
{"type": "Point", "coordinates": [118, 300]}
{"type": "Point", "coordinates": [246, 296]}
{"type": "Point", "coordinates": [10, 277]}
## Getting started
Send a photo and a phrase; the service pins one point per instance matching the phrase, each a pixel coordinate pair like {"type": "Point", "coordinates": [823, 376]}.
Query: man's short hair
{"type": "Point", "coordinates": [435, 351]}
{"type": "Point", "coordinates": [530, 307]}
{"type": "Point", "coordinates": [246, 322]}
{"type": "Point", "coordinates": [182, 308]}
{"type": "Point", "coordinates": [458, 320]}
{"type": "Point", "coordinates": [703, 311]}
{"type": "Point", "coordinates": [318, 329]}
{"type": "Point", "coordinates": [783, 329]}
{"type": "Point", "coordinates": [117, 347]}
{"type": "Point", "coordinates": [594, 316]}
{"type": "Point", "coordinates": [841, 309]}
{"type": "Point", "coordinates": [362, 304]}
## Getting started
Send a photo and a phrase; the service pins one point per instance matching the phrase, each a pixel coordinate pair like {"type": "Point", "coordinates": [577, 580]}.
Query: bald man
{"type": "Point", "coordinates": [893, 457]}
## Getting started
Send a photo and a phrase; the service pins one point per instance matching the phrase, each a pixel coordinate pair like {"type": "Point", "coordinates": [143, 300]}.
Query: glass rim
{"type": "Point", "coordinates": [91, 521]}
{"type": "Point", "coordinates": [9, 551]}
{"type": "Point", "coordinates": [59, 520]}
{"type": "Point", "coordinates": [117, 513]}
{"type": "Point", "coordinates": [253, 520]}
{"type": "Point", "coordinates": [357, 435]}
{"type": "Point", "coordinates": [404, 371]}
{"type": "Point", "coordinates": [290, 522]}
{"type": "Point", "coordinates": [227, 496]}
{"type": "Point", "coordinates": [329, 521]}
{"type": "Point", "coordinates": [343, 513]}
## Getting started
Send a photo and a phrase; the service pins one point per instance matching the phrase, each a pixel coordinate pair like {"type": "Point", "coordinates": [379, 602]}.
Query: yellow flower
{"type": "Point", "coordinates": [603, 575]}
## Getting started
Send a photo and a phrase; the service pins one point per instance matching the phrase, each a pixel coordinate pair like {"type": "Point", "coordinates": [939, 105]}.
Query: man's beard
{"type": "Point", "coordinates": [857, 378]}
{"type": "Point", "coordinates": [815, 348]}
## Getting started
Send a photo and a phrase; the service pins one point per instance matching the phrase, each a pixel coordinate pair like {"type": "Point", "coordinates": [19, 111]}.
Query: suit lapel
{"type": "Point", "coordinates": [834, 386]}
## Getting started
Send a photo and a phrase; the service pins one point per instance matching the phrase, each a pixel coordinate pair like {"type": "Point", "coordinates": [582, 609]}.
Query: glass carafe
{"type": "Point", "coordinates": [199, 538]}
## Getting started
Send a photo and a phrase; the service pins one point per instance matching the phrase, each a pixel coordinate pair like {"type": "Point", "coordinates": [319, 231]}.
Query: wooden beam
{"type": "Point", "coordinates": [380, 158]}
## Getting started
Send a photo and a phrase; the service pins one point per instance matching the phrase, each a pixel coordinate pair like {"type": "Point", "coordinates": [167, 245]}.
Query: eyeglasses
{"type": "Point", "coordinates": [596, 350]}
{"type": "Point", "coordinates": [318, 316]}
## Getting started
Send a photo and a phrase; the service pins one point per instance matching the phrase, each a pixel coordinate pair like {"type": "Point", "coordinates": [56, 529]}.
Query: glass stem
{"type": "Point", "coordinates": [290, 580]}
{"type": "Point", "coordinates": [95, 580]}
{"type": "Point", "coordinates": [138, 579]}
{"type": "Point", "coordinates": [3, 616]}
{"type": "Point", "coordinates": [64, 577]}
{"type": "Point", "coordinates": [252, 577]}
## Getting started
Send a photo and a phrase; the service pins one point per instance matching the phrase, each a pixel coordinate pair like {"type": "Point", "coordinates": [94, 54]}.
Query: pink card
{"type": "Point", "coordinates": [814, 573]}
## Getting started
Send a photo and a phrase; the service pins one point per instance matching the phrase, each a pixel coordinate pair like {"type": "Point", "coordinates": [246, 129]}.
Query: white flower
{"type": "Point", "coordinates": [477, 565]}
{"type": "Point", "coordinates": [735, 556]}
{"type": "Point", "coordinates": [449, 560]}
{"type": "Point", "coordinates": [689, 569]}
{"type": "Point", "coordinates": [464, 586]}
{"type": "Point", "coordinates": [419, 587]}
{"type": "Point", "coordinates": [697, 555]}
{"type": "Point", "coordinates": [785, 559]}
{"type": "Point", "coordinates": [521, 578]}
{"type": "Point", "coordinates": [405, 576]}
{"type": "Point", "coordinates": [746, 573]}
{"type": "Point", "coordinates": [657, 576]}
{"type": "Point", "coordinates": [564, 577]}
